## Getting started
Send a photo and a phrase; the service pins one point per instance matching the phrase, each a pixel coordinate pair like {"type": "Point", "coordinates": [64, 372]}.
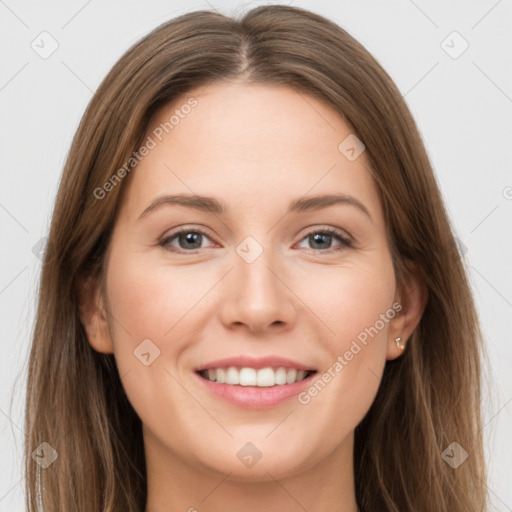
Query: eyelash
{"type": "Point", "coordinates": [346, 243]}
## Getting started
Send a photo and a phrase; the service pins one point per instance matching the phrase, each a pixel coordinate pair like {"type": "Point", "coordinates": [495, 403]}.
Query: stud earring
{"type": "Point", "coordinates": [398, 340]}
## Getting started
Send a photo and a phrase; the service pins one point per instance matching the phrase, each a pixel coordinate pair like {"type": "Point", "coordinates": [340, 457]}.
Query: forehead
{"type": "Point", "coordinates": [250, 145]}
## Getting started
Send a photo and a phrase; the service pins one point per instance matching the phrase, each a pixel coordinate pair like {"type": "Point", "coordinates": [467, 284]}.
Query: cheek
{"type": "Point", "coordinates": [352, 300]}
{"type": "Point", "coordinates": [355, 305]}
{"type": "Point", "coordinates": [151, 302]}
{"type": "Point", "coordinates": [154, 303]}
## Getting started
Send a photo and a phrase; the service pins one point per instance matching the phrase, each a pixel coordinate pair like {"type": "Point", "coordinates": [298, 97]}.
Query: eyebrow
{"type": "Point", "coordinates": [218, 207]}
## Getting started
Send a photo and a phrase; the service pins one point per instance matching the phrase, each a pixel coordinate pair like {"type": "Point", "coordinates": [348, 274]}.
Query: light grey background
{"type": "Point", "coordinates": [463, 107]}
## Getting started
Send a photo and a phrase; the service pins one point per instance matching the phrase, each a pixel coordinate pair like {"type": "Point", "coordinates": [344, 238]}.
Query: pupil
{"type": "Point", "coordinates": [190, 238]}
{"type": "Point", "coordinates": [321, 236]}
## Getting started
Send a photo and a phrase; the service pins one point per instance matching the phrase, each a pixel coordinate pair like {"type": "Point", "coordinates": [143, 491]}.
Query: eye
{"type": "Point", "coordinates": [187, 239]}
{"type": "Point", "coordinates": [322, 239]}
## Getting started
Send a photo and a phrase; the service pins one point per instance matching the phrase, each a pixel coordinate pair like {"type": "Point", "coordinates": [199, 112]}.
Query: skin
{"type": "Point", "coordinates": [256, 148]}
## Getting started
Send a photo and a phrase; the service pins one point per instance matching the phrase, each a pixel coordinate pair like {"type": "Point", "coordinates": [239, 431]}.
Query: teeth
{"type": "Point", "coordinates": [280, 376]}
{"type": "Point", "coordinates": [247, 376]}
{"type": "Point", "coordinates": [221, 375]}
{"type": "Point", "coordinates": [300, 374]}
{"type": "Point", "coordinates": [232, 376]}
{"type": "Point", "coordinates": [291, 376]}
{"type": "Point", "coordinates": [264, 377]}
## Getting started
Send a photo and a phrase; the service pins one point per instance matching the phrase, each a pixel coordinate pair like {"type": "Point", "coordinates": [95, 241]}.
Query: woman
{"type": "Point", "coordinates": [316, 347]}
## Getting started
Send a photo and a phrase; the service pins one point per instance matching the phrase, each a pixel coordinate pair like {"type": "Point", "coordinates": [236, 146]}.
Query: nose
{"type": "Point", "coordinates": [258, 297]}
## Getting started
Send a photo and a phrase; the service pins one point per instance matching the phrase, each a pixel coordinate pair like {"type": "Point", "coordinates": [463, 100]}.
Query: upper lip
{"type": "Point", "coordinates": [242, 361]}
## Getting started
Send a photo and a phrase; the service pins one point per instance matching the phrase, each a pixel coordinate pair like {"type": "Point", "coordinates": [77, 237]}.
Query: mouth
{"type": "Point", "coordinates": [247, 387]}
{"type": "Point", "coordinates": [257, 377]}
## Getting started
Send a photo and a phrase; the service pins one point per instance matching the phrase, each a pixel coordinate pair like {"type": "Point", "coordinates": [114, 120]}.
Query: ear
{"type": "Point", "coordinates": [93, 315]}
{"type": "Point", "coordinates": [412, 295]}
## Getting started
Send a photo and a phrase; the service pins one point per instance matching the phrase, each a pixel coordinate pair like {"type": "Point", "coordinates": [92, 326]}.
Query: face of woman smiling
{"type": "Point", "coordinates": [257, 280]}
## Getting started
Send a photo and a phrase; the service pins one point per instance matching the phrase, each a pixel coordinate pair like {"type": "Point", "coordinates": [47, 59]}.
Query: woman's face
{"type": "Point", "coordinates": [261, 279]}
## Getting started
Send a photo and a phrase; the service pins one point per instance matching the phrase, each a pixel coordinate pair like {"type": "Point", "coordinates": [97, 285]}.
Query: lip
{"type": "Point", "coordinates": [242, 361]}
{"type": "Point", "coordinates": [255, 397]}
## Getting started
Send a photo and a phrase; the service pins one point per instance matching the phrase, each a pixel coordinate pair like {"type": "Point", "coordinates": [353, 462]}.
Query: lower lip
{"type": "Point", "coordinates": [255, 397]}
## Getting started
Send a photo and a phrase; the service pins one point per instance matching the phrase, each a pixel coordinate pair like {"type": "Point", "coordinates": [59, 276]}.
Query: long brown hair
{"type": "Point", "coordinates": [429, 397]}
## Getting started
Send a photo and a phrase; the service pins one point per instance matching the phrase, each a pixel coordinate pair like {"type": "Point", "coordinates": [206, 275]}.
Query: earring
{"type": "Point", "coordinates": [398, 340]}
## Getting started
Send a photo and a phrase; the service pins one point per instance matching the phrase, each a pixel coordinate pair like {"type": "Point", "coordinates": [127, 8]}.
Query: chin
{"type": "Point", "coordinates": [246, 461]}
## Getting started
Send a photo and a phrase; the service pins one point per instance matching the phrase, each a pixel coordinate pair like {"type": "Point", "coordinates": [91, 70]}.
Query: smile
{"type": "Point", "coordinates": [263, 377]}
{"type": "Point", "coordinates": [251, 388]}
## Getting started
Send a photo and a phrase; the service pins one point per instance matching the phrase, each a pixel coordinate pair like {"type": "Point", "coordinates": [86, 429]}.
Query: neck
{"type": "Point", "coordinates": [176, 485]}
